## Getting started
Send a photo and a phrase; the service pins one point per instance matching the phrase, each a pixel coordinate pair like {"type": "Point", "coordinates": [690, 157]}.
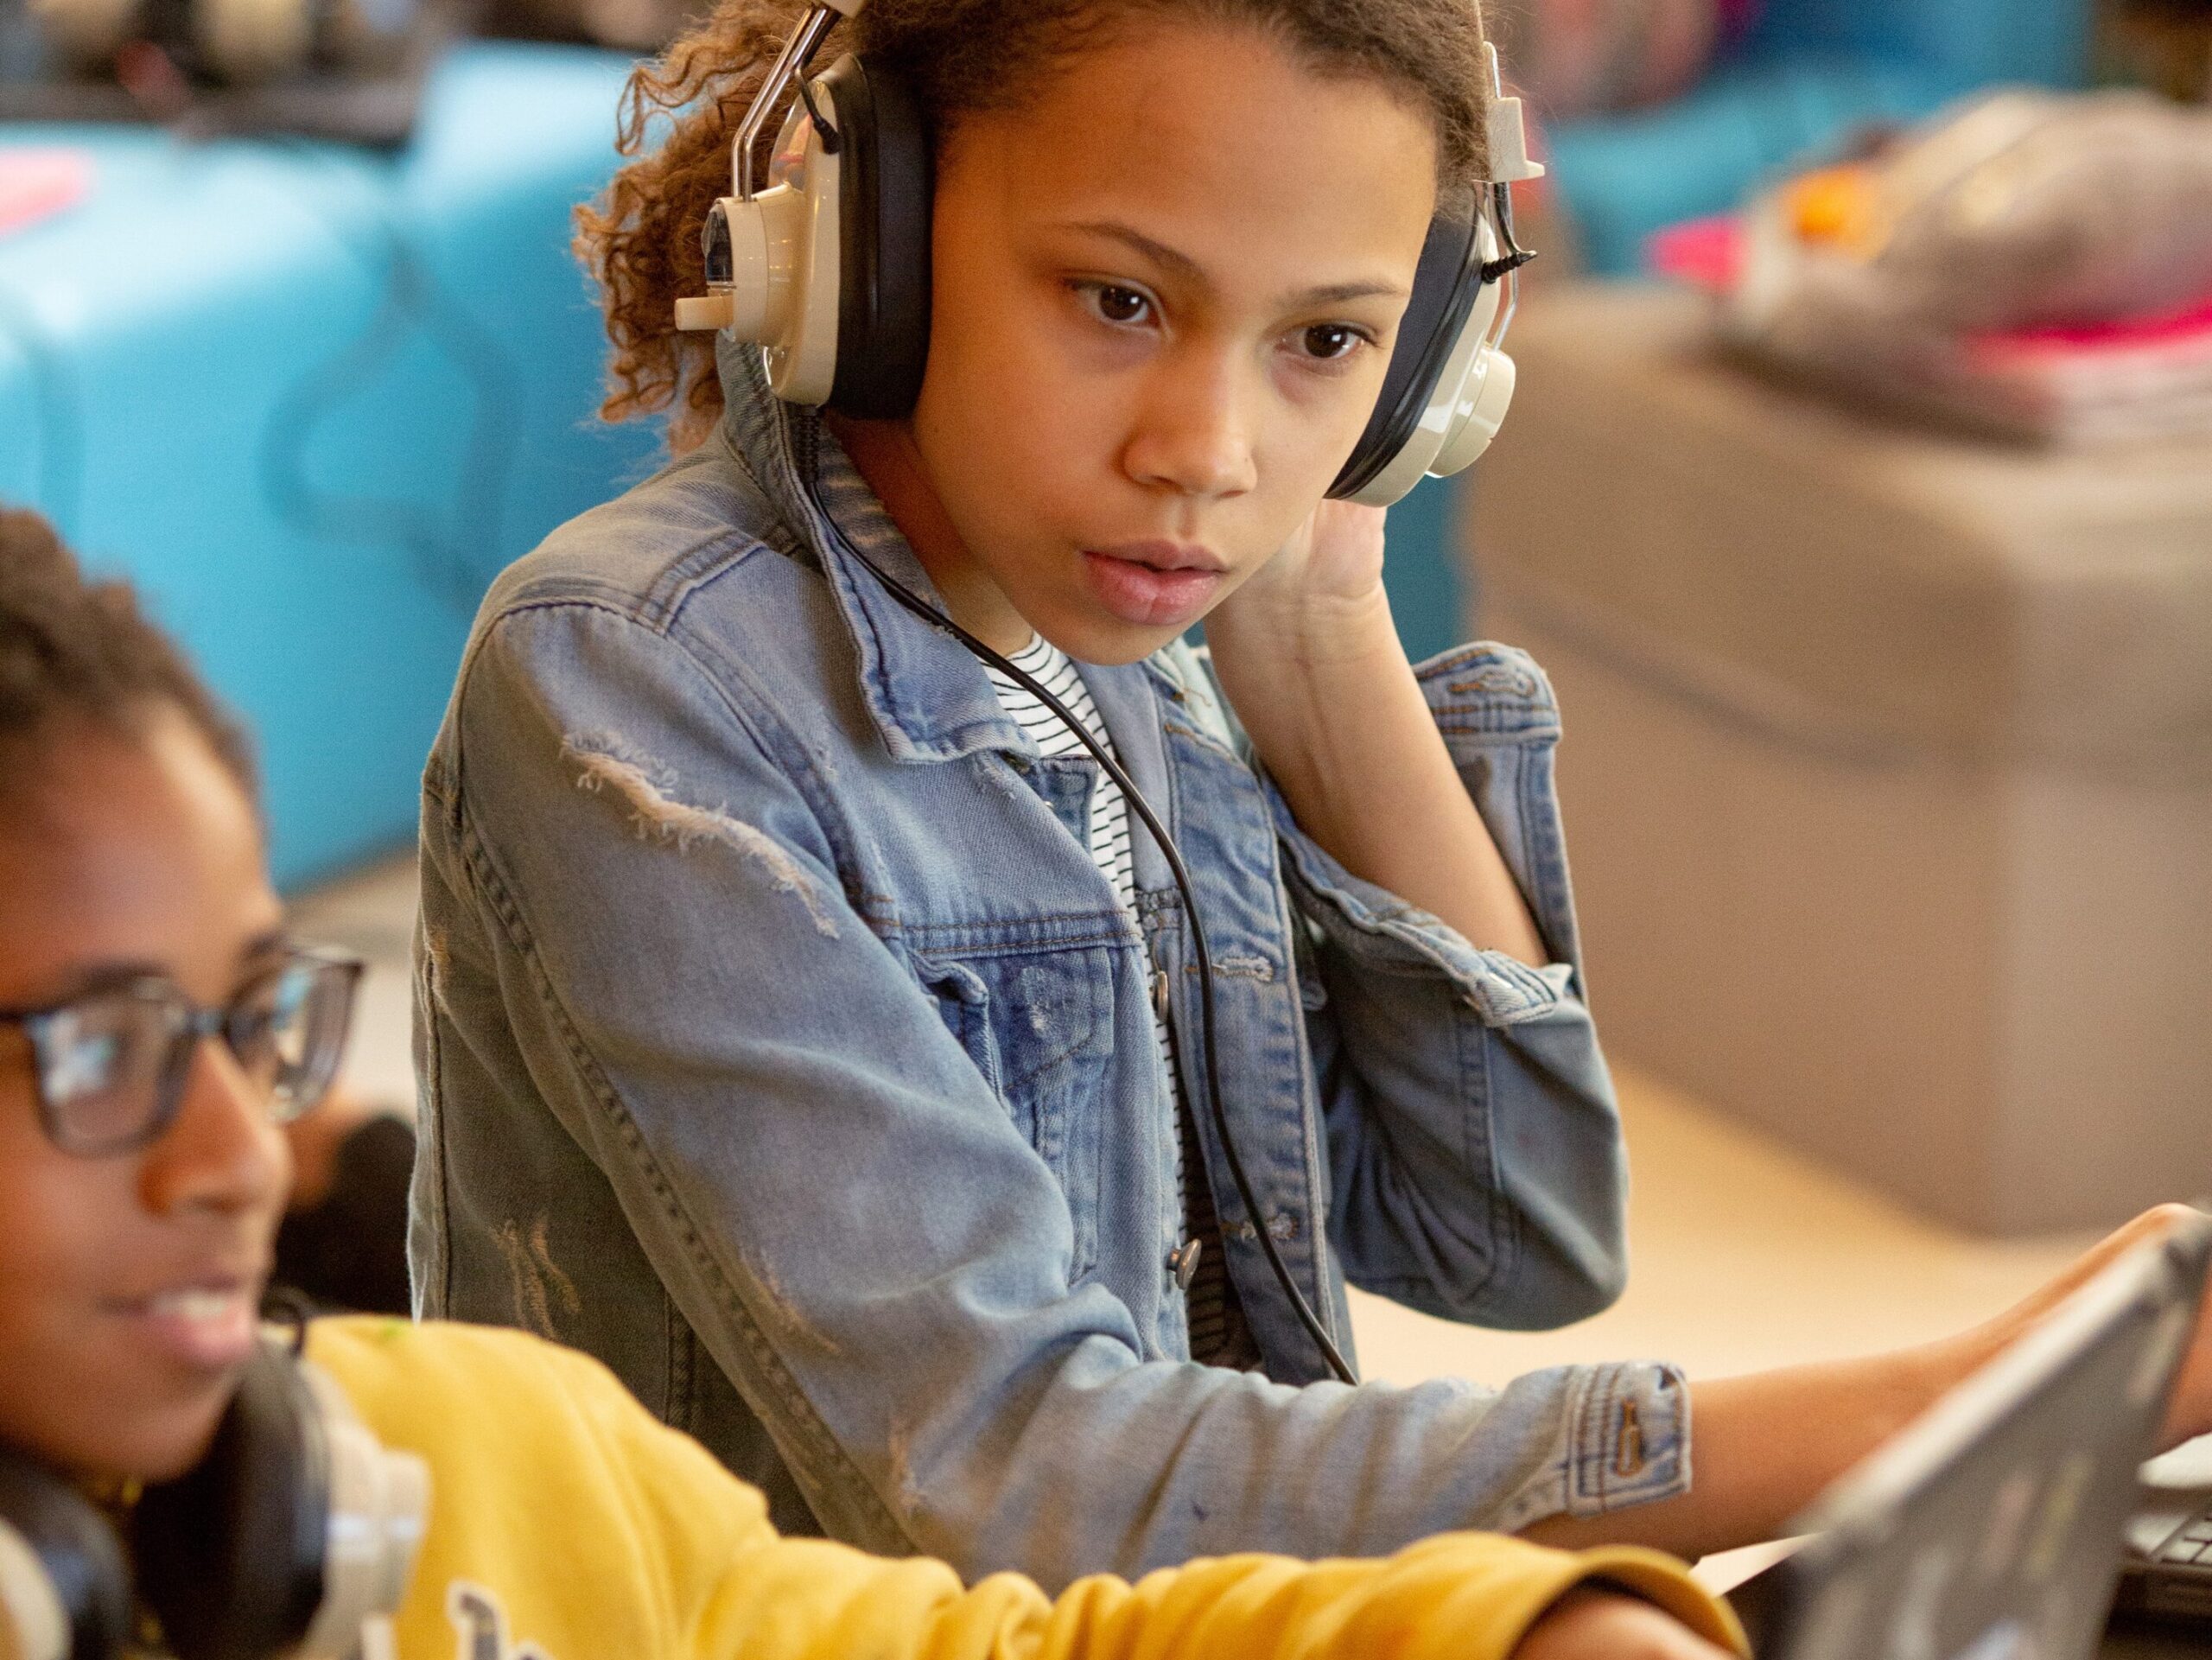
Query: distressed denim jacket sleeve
{"type": "Point", "coordinates": [1477, 1166]}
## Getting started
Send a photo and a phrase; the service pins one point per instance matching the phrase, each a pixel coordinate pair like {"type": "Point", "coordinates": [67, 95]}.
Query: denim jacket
{"type": "Point", "coordinates": [769, 1019]}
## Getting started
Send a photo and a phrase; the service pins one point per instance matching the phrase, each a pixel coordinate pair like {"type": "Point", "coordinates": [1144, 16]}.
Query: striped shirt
{"type": "Point", "coordinates": [1219, 1336]}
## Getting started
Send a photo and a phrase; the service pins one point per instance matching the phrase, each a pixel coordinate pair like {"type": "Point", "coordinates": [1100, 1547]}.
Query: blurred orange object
{"type": "Point", "coordinates": [1832, 204]}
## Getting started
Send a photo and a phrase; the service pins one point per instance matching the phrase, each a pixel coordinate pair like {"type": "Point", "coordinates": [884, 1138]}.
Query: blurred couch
{"type": "Point", "coordinates": [1887, 763]}
{"type": "Point", "coordinates": [1805, 76]}
{"type": "Point", "coordinates": [310, 398]}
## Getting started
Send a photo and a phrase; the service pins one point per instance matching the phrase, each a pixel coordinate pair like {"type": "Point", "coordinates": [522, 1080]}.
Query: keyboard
{"type": "Point", "coordinates": [2168, 1568]}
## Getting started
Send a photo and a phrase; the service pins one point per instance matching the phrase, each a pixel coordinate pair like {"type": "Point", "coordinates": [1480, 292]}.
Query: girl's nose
{"type": "Point", "coordinates": [221, 1153]}
{"type": "Point", "coordinates": [1192, 434]}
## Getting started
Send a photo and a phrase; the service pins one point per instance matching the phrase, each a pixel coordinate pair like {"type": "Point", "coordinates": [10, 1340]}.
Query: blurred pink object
{"type": "Point", "coordinates": [1706, 253]}
{"type": "Point", "coordinates": [2033, 264]}
{"type": "Point", "coordinates": [2190, 324]}
{"type": "Point", "coordinates": [1737, 17]}
{"type": "Point", "coordinates": [37, 184]}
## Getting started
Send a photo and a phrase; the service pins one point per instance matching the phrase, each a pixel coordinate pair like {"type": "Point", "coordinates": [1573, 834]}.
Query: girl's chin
{"type": "Point", "coordinates": [1108, 642]}
{"type": "Point", "coordinates": [140, 1441]}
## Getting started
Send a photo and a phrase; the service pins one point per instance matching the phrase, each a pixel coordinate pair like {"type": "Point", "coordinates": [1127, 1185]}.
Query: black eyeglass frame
{"type": "Point", "coordinates": [190, 1025]}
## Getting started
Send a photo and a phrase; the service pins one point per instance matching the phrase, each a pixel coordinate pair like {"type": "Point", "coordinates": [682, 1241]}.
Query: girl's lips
{"type": "Point", "coordinates": [1147, 595]}
{"type": "Point", "coordinates": [208, 1328]}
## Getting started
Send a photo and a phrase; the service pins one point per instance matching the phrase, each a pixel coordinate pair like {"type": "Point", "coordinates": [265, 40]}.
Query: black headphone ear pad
{"type": "Point", "coordinates": [230, 1555]}
{"type": "Point", "coordinates": [77, 1551]}
{"type": "Point", "coordinates": [887, 180]}
{"type": "Point", "coordinates": [1446, 282]}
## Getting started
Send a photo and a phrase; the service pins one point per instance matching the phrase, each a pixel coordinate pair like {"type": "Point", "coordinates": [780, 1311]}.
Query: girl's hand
{"type": "Point", "coordinates": [1335, 555]}
{"type": "Point", "coordinates": [1323, 588]}
{"type": "Point", "coordinates": [1587, 1624]}
{"type": "Point", "coordinates": [2189, 1410]}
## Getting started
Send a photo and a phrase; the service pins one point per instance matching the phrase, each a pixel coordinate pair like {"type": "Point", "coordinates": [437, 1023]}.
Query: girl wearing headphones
{"type": "Point", "coordinates": [812, 1024]}
{"type": "Point", "coordinates": [489, 1494]}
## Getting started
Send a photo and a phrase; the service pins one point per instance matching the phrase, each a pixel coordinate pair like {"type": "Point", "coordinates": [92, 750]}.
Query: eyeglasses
{"type": "Point", "coordinates": [112, 1064]}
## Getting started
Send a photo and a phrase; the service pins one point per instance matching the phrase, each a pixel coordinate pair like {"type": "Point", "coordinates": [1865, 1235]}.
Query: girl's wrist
{"type": "Point", "coordinates": [1308, 635]}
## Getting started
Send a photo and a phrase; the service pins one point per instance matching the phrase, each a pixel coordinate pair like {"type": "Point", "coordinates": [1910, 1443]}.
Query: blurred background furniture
{"type": "Point", "coordinates": [310, 398]}
{"type": "Point", "coordinates": [1789, 78]}
{"type": "Point", "coordinates": [1887, 764]}
{"type": "Point", "coordinates": [1804, 75]}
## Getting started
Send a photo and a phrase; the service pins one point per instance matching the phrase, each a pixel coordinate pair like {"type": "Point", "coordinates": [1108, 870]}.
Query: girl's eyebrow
{"type": "Point", "coordinates": [267, 943]}
{"type": "Point", "coordinates": [1175, 260]}
{"type": "Point", "coordinates": [83, 979]}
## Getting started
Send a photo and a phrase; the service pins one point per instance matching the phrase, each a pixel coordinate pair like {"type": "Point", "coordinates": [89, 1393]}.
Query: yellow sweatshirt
{"type": "Point", "coordinates": [566, 1524]}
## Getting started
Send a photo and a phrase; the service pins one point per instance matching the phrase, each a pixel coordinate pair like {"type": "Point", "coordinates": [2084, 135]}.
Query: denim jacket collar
{"type": "Point", "coordinates": [927, 692]}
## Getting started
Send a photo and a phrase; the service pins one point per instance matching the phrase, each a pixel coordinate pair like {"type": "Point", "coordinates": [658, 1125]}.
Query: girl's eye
{"type": "Point", "coordinates": [1117, 304]}
{"type": "Point", "coordinates": [1327, 342]}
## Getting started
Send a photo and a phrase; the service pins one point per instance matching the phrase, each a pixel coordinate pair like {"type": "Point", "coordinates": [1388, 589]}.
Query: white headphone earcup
{"type": "Point", "coordinates": [1463, 412]}
{"type": "Point", "coordinates": [803, 354]}
{"type": "Point", "coordinates": [34, 1624]}
{"type": "Point", "coordinates": [65, 1586]}
{"type": "Point", "coordinates": [380, 1505]}
{"type": "Point", "coordinates": [786, 255]}
{"type": "Point", "coordinates": [1483, 399]}
{"type": "Point", "coordinates": [248, 41]}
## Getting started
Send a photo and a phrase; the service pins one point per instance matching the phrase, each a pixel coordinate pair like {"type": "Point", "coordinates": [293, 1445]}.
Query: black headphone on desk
{"type": "Point", "coordinates": [293, 1534]}
{"type": "Point", "coordinates": [828, 269]}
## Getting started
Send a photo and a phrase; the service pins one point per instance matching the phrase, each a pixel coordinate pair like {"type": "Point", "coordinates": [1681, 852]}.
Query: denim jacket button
{"type": "Point", "coordinates": [1183, 1263]}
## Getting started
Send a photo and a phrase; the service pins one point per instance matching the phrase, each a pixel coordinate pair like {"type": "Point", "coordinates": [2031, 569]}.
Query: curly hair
{"type": "Point", "coordinates": [963, 57]}
{"type": "Point", "coordinates": [76, 650]}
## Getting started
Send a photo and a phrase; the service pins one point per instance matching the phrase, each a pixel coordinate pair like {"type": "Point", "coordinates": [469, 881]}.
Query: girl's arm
{"type": "Point", "coordinates": [1458, 1597]}
{"type": "Point", "coordinates": [1767, 1443]}
{"type": "Point", "coordinates": [1310, 658]}
{"type": "Point", "coordinates": [567, 1520]}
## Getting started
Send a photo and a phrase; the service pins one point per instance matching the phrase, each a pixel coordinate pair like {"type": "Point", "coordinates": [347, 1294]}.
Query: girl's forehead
{"type": "Point", "coordinates": [141, 850]}
{"type": "Point", "coordinates": [1217, 130]}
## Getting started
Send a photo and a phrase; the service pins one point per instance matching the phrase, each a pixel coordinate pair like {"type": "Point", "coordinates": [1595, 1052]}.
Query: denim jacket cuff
{"type": "Point", "coordinates": [1624, 1439]}
{"type": "Point", "coordinates": [1379, 929]}
{"type": "Point", "coordinates": [1496, 711]}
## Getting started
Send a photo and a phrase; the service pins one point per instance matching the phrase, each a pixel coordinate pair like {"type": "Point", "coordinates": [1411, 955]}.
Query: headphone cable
{"type": "Point", "coordinates": [922, 608]}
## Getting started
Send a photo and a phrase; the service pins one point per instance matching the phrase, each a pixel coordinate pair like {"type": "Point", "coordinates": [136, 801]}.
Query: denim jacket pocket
{"type": "Point", "coordinates": [964, 1002]}
{"type": "Point", "coordinates": [1039, 1026]}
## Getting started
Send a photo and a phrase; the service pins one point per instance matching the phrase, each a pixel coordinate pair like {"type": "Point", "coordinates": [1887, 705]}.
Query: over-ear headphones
{"type": "Point", "coordinates": [293, 1535]}
{"type": "Point", "coordinates": [828, 270]}
{"type": "Point", "coordinates": [239, 42]}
